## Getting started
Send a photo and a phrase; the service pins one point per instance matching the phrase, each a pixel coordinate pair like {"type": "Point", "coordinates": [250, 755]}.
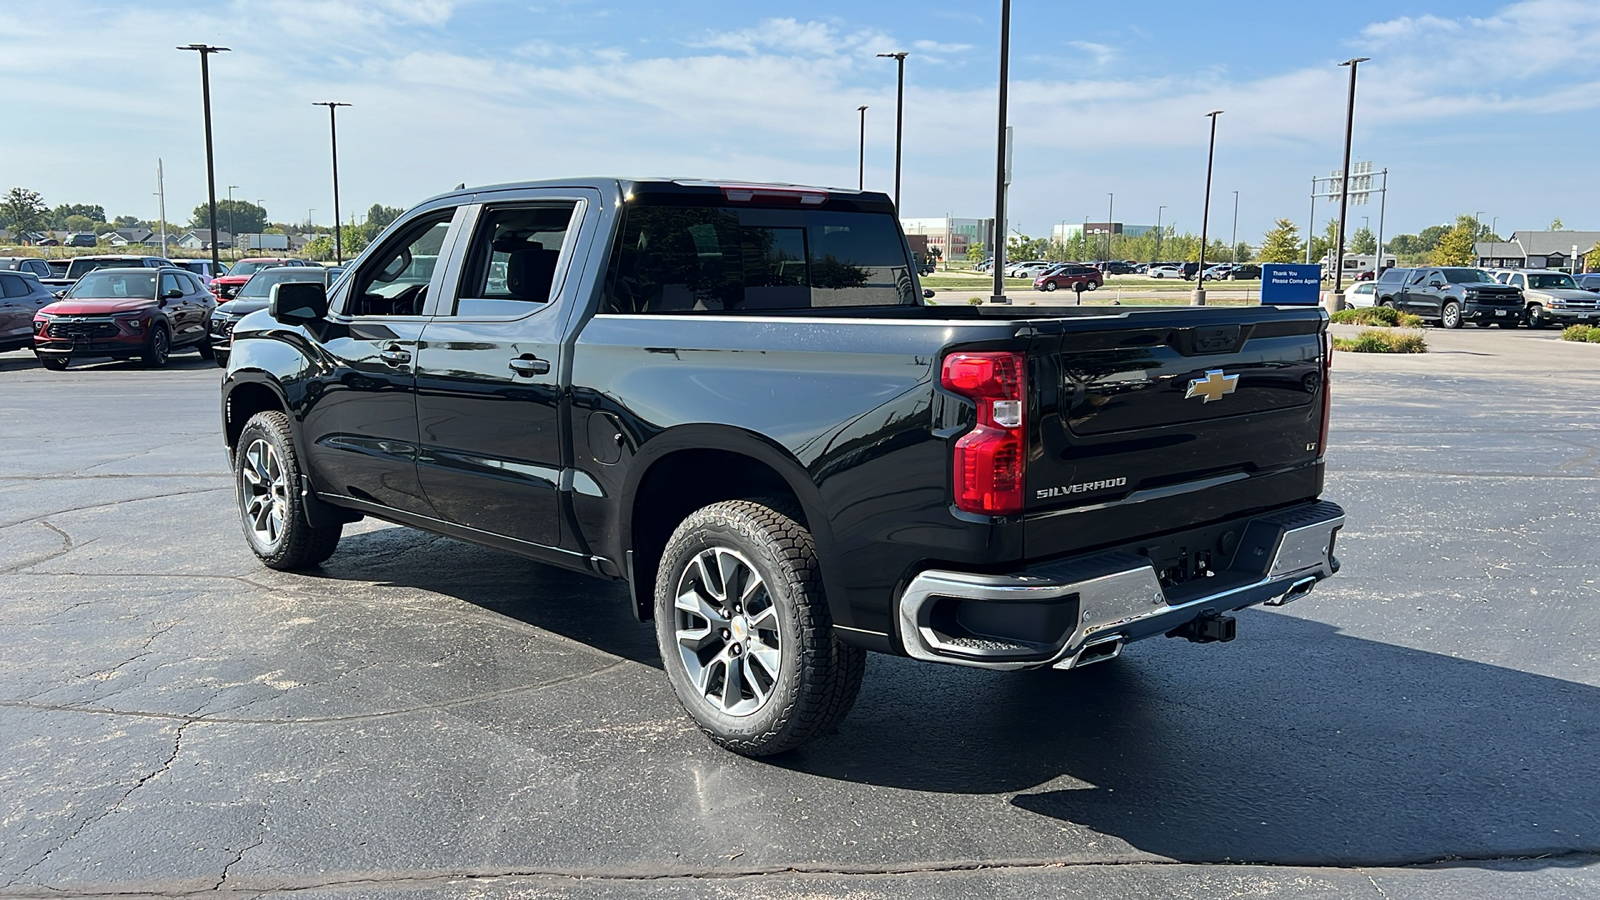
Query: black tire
{"type": "Point", "coordinates": [157, 347]}
{"type": "Point", "coordinates": [294, 544]}
{"type": "Point", "coordinates": [818, 675]}
{"type": "Point", "coordinates": [220, 357]}
{"type": "Point", "coordinates": [1483, 324]}
{"type": "Point", "coordinates": [1387, 304]}
{"type": "Point", "coordinates": [1536, 317]}
{"type": "Point", "coordinates": [1050, 285]}
{"type": "Point", "coordinates": [1089, 286]}
{"type": "Point", "coordinates": [55, 363]}
{"type": "Point", "coordinates": [1450, 314]}
{"type": "Point", "coordinates": [206, 350]}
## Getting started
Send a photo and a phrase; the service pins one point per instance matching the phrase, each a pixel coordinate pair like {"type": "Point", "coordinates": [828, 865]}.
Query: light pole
{"type": "Point", "coordinates": [233, 241]}
{"type": "Point", "coordinates": [1233, 243]}
{"type": "Point", "coordinates": [999, 295]}
{"type": "Point", "coordinates": [1336, 302]}
{"type": "Point", "coordinates": [1159, 234]}
{"type": "Point", "coordinates": [1111, 204]}
{"type": "Point", "coordinates": [333, 138]}
{"type": "Point", "coordinates": [1494, 228]}
{"type": "Point", "coordinates": [899, 119]}
{"type": "Point", "coordinates": [1205, 215]}
{"type": "Point", "coordinates": [205, 52]}
{"type": "Point", "coordinates": [861, 177]}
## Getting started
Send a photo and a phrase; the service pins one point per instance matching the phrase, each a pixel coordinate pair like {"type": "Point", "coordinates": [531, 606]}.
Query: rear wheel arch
{"type": "Point", "coordinates": [692, 467]}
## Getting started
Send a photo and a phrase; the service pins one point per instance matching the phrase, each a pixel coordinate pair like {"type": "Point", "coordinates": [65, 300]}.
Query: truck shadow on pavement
{"type": "Point", "coordinates": [1297, 744]}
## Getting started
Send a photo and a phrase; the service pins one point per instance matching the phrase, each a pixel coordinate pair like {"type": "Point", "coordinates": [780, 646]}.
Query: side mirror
{"type": "Point", "coordinates": [298, 302]}
{"type": "Point", "coordinates": [927, 293]}
{"type": "Point", "coordinates": [173, 294]}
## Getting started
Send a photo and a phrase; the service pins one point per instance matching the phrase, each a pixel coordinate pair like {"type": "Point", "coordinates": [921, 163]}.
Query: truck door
{"type": "Point", "coordinates": [361, 417]}
{"type": "Point", "coordinates": [489, 386]}
{"type": "Point", "coordinates": [1411, 297]}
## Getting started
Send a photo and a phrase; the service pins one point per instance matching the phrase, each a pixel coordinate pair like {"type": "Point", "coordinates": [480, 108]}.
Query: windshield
{"type": "Point", "coordinates": [1467, 276]}
{"type": "Point", "coordinates": [121, 284]}
{"type": "Point", "coordinates": [260, 285]}
{"type": "Point", "coordinates": [1553, 282]}
{"type": "Point", "coordinates": [83, 265]}
{"type": "Point", "coordinates": [250, 267]}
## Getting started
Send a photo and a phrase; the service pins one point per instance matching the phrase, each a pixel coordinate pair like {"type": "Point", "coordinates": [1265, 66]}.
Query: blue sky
{"type": "Point", "coordinates": [1474, 106]}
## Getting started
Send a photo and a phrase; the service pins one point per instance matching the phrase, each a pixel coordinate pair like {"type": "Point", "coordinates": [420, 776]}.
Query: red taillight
{"type": "Point", "coordinates": [990, 460]}
{"type": "Point", "coordinates": [1327, 393]}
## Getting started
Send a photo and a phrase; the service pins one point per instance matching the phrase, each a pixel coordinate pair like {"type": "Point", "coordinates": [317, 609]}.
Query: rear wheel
{"type": "Point", "coordinates": [267, 480]}
{"type": "Point", "coordinates": [206, 350]}
{"type": "Point", "coordinates": [1089, 285]}
{"type": "Point", "coordinates": [745, 634]}
{"type": "Point", "coordinates": [1450, 316]}
{"type": "Point", "coordinates": [157, 347]}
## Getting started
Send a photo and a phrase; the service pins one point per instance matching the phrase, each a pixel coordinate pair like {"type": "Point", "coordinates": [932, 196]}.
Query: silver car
{"type": "Point", "coordinates": [1554, 298]}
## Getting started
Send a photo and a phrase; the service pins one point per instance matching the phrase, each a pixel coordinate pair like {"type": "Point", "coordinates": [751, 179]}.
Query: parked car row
{"type": "Point", "coordinates": [1455, 295]}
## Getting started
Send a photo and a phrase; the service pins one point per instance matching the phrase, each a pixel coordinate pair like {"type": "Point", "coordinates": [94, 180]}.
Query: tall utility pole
{"type": "Point", "coordinates": [1157, 257]}
{"type": "Point", "coordinates": [161, 194]}
{"type": "Point", "coordinates": [899, 120]}
{"type": "Point", "coordinates": [205, 52]}
{"type": "Point", "coordinates": [1383, 203]}
{"type": "Point", "coordinates": [1337, 301]}
{"type": "Point", "coordinates": [333, 137]}
{"type": "Point", "coordinates": [1001, 146]}
{"type": "Point", "coordinates": [1111, 205]}
{"type": "Point", "coordinates": [1205, 215]}
{"type": "Point", "coordinates": [861, 178]}
{"type": "Point", "coordinates": [1233, 244]}
{"type": "Point", "coordinates": [234, 239]}
{"type": "Point", "coordinates": [1311, 223]}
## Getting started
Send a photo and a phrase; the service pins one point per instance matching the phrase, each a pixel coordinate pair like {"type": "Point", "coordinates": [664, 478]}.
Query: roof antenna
{"type": "Point", "coordinates": [462, 186]}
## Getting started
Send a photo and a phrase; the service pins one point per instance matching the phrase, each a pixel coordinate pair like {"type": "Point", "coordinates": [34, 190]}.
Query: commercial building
{"type": "Point", "coordinates": [951, 236]}
{"type": "Point", "coordinates": [1068, 231]}
{"type": "Point", "coordinates": [1566, 250]}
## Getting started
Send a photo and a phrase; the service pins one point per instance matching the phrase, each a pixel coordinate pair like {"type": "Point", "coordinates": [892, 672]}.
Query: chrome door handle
{"type": "Point", "coordinates": [530, 365]}
{"type": "Point", "coordinates": [394, 356]}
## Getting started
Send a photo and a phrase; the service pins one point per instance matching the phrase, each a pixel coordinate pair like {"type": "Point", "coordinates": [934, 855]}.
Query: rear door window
{"type": "Point", "coordinates": [717, 260]}
{"type": "Point", "coordinates": [12, 286]}
{"type": "Point", "coordinates": [514, 260]}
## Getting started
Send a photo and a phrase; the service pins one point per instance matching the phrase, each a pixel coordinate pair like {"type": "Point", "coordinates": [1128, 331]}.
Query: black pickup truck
{"type": "Point", "coordinates": [1451, 296]}
{"type": "Point", "coordinates": [736, 399]}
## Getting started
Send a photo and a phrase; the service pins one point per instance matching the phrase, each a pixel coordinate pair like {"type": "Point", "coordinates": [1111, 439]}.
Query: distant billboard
{"type": "Point", "coordinates": [264, 241]}
{"type": "Point", "coordinates": [1290, 284]}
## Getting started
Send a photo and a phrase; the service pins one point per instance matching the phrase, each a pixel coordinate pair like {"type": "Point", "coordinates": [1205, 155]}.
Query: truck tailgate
{"type": "Point", "coordinates": [1136, 410]}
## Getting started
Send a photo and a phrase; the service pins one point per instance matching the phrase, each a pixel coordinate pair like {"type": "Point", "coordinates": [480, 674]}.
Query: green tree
{"type": "Point", "coordinates": [128, 222]}
{"type": "Point", "coordinates": [58, 217]}
{"type": "Point", "coordinates": [378, 218]}
{"type": "Point", "coordinates": [77, 223]}
{"type": "Point", "coordinates": [1363, 242]}
{"type": "Point", "coordinates": [246, 217]}
{"type": "Point", "coordinates": [1456, 248]}
{"type": "Point", "coordinates": [1557, 225]}
{"type": "Point", "coordinates": [976, 254]}
{"type": "Point", "coordinates": [23, 210]}
{"type": "Point", "coordinates": [1282, 244]}
{"type": "Point", "coordinates": [1242, 252]}
{"type": "Point", "coordinates": [321, 247]}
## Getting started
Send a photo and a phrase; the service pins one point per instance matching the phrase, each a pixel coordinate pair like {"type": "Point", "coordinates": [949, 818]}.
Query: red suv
{"type": "Point", "coordinates": [123, 313]}
{"type": "Point", "coordinates": [1071, 275]}
{"type": "Point", "coordinates": [226, 286]}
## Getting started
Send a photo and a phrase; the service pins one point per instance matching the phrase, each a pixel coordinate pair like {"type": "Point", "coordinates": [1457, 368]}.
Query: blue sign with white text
{"type": "Point", "coordinates": [1290, 284]}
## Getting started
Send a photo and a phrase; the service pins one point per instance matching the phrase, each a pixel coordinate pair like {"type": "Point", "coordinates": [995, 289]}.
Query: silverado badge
{"type": "Point", "coordinates": [1214, 386]}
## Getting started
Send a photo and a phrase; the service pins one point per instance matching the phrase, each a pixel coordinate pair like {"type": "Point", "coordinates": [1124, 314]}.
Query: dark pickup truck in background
{"type": "Point", "coordinates": [1450, 296]}
{"type": "Point", "coordinates": [736, 399]}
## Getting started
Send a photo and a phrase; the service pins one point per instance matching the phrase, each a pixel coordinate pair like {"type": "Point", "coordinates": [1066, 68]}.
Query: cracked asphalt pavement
{"type": "Point", "coordinates": [425, 718]}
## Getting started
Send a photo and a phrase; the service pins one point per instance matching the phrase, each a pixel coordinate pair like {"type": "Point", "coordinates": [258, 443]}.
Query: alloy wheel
{"type": "Point", "coordinates": [727, 630]}
{"type": "Point", "coordinates": [263, 493]}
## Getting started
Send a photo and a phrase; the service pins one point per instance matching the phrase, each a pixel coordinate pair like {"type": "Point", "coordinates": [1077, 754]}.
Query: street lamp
{"type": "Point", "coordinates": [999, 295]}
{"type": "Point", "coordinates": [1111, 204]}
{"type": "Point", "coordinates": [205, 52]}
{"type": "Point", "coordinates": [861, 178]}
{"type": "Point", "coordinates": [899, 119]}
{"type": "Point", "coordinates": [1157, 257]}
{"type": "Point", "coordinates": [1233, 243]}
{"type": "Point", "coordinates": [1337, 301]}
{"type": "Point", "coordinates": [333, 138]}
{"type": "Point", "coordinates": [1205, 215]}
{"type": "Point", "coordinates": [233, 242]}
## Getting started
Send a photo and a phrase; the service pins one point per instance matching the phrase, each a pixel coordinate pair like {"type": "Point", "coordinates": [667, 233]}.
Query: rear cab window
{"type": "Point", "coordinates": [702, 259]}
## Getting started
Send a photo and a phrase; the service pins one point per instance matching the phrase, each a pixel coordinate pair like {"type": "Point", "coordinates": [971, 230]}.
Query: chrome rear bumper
{"type": "Point", "coordinates": [1083, 610]}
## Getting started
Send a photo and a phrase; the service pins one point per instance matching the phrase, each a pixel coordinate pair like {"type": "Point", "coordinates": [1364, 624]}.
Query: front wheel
{"type": "Point", "coordinates": [55, 363]}
{"type": "Point", "coordinates": [1536, 317]}
{"type": "Point", "coordinates": [157, 347]}
{"type": "Point", "coordinates": [1089, 286]}
{"type": "Point", "coordinates": [1450, 316]}
{"type": "Point", "coordinates": [206, 350]}
{"type": "Point", "coordinates": [745, 634]}
{"type": "Point", "coordinates": [1049, 285]}
{"type": "Point", "coordinates": [266, 474]}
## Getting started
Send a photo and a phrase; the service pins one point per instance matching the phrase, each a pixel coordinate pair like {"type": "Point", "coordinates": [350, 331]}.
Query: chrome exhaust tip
{"type": "Point", "coordinates": [1099, 651]}
{"type": "Point", "coordinates": [1295, 592]}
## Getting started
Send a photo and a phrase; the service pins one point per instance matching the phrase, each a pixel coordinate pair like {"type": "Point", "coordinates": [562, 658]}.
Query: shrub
{"type": "Point", "coordinates": [974, 301]}
{"type": "Point", "coordinates": [1371, 341]}
{"type": "Point", "coordinates": [1589, 333]}
{"type": "Point", "coordinates": [1379, 316]}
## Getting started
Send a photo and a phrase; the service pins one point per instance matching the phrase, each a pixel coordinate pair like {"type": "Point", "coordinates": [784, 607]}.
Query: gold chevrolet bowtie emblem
{"type": "Point", "coordinates": [1214, 386]}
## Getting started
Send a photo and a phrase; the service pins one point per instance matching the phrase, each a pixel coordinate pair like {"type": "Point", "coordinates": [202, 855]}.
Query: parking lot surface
{"type": "Point", "coordinates": [426, 718]}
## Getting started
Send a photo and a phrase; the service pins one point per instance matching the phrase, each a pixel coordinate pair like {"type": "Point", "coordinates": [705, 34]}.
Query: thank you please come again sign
{"type": "Point", "coordinates": [1290, 284]}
